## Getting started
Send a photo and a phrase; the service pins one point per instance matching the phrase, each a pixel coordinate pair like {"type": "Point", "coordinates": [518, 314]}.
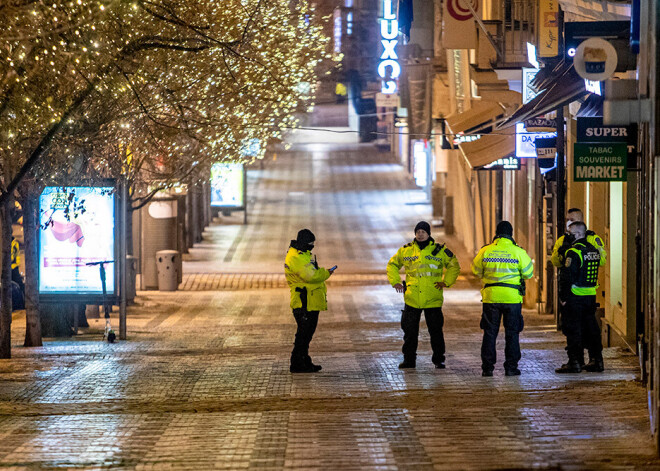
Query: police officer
{"type": "Point", "coordinates": [306, 281]}
{"type": "Point", "coordinates": [577, 293]}
{"type": "Point", "coordinates": [503, 267]}
{"type": "Point", "coordinates": [429, 268]}
{"type": "Point", "coordinates": [565, 242]}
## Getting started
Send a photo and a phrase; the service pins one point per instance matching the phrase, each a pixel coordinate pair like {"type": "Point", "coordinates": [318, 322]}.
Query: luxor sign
{"type": "Point", "coordinates": [389, 68]}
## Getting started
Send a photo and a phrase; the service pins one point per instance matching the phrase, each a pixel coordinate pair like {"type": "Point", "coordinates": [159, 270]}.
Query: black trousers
{"type": "Point", "coordinates": [307, 321]}
{"type": "Point", "coordinates": [410, 318]}
{"type": "Point", "coordinates": [581, 329]}
{"type": "Point", "coordinates": [490, 323]}
{"type": "Point", "coordinates": [16, 276]}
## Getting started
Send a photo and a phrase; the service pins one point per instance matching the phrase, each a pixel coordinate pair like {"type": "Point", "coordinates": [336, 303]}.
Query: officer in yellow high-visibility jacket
{"type": "Point", "coordinates": [565, 241]}
{"type": "Point", "coordinates": [503, 267]}
{"type": "Point", "coordinates": [429, 268]}
{"type": "Point", "coordinates": [306, 281]}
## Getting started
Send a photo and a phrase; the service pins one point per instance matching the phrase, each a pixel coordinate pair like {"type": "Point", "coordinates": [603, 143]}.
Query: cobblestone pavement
{"type": "Point", "coordinates": [203, 381]}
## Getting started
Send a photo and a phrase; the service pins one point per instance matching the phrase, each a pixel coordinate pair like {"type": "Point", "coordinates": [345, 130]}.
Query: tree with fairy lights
{"type": "Point", "coordinates": [128, 88]}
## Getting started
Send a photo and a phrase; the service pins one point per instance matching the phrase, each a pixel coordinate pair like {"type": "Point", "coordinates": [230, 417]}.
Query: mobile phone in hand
{"type": "Point", "coordinates": [332, 269]}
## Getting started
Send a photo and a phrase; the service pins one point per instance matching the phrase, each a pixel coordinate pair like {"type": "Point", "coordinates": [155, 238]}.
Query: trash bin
{"type": "Point", "coordinates": [131, 274]}
{"type": "Point", "coordinates": [167, 262]}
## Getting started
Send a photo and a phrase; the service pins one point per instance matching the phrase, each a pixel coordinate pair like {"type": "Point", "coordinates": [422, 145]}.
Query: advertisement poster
{"type": "Point", "coordinates": [77, 227]}
{"type": "Point", "coordinates": [227, 185]}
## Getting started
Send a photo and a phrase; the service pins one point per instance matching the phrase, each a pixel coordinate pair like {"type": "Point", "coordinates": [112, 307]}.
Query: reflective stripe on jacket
{"type": "Point", "coordinates": [502, 262]}
{"type": "Point", "coordinates": [594, 239]}
{"type": "Point", "coordinates": [423, 270]}
{"type": "Point", "coordinates": [301, 272]}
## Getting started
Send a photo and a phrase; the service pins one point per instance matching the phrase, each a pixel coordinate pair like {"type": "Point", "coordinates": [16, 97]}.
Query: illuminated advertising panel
{"type": "Point", "coordinates": [525, 141]}
{"type": "Point", "coordinates": [227, 185]}
{"type": "Point", "coordinates": [77, 226]}
{"type": "Point", "coordinates": [420, 163]}
{"type": "Point", "coordinates": [389, 68]}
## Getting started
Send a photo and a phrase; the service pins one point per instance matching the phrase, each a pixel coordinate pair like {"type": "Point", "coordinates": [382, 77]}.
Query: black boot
{"type": "Point", "coordinates": [595, 366]}
{"type": "Point", "coordinates": [573, 366]}
{"type": "Point", "coordinates": [407, 363]}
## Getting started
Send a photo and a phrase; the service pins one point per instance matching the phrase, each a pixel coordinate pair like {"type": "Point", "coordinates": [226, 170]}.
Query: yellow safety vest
{"type": "Point", "coordinates": [301, 272]}
{"type": "Point", "coordinates": [424, 268]}
{"type": "Point", "coordinates": [502, 262]}
{"type": "Point", "coordinates": [15, 254]}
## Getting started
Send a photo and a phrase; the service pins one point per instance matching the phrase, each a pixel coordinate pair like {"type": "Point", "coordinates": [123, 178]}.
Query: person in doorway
{"type": "Point", "coordinates": [559, 257]}
{"type": "Point", "coordinates": [577, 294]}
{"type": "Point", "coordinates": [503, 267]}
{"type": "Point", "coordinates": [306, 281]}
{"type": "Point", "coordinates": [430, 267]}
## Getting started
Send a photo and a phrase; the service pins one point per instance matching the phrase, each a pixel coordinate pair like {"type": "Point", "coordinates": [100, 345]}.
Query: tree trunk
{"type": "Point", "coordinates": [5, 278]}
{"type": "Point", "coordinates": [32, 315]}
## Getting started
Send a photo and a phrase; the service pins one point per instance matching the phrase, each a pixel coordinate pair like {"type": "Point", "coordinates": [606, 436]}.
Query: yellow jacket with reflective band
{"type": "Point", "coordinates": [300, 272]}
{"type": "Point", "coordinates": [423, 270]}
{"type": "Point", "coordinates": [593, 238]}
{"type": "Point", "coordinates": [502, 262]}
{"type": "Point", "coordinates": [15, 254]}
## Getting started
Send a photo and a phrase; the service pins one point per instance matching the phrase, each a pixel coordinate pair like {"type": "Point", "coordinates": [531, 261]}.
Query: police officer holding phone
{"type": "Point", "coordinates": [306, 281]}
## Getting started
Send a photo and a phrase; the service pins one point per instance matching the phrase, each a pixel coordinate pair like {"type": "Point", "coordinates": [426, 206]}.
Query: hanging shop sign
{"type": "Point", "coordinates": [546, 152]}
{"type": "Point", "coordinates": [616, 33]}
{"type": "Point", "coordinates": [528, 75]}
{"type": "Point", "coordinates": [541, 125]}
{"type": "Point", "coordinates": [228, 186]}
{"type": "Point", "coordinates": [390, 100]}
{"type": "Point", "coordinates": [595, 59]}
{"type": "Point", "coordinates": [525, 147]}
{"type": "Point", "coordinates": [459, 29]}
{"type": "Point", "coordinates": [77, 227]}
{"type": "Point", "coordinates": [548, 29]}
{"type": "Point", "coordinates": [599, 162]}
{"type": "Point", "coordinates": [389, 68]}
{"type": "Point", "coordinates": [593, 130]}
{"type": "Point", "coordinates": [506, 163]}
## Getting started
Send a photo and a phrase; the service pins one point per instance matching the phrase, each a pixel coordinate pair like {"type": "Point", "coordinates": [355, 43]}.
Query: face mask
{"type": "Point", "coordinates": [568, 223]}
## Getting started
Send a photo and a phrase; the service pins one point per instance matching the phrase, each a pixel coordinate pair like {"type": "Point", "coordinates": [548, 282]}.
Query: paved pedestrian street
{"type": "Point", "coordinates": [203, 382]}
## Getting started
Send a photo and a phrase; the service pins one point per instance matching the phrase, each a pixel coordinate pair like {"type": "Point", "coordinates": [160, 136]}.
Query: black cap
{"type": "Point", "coordinates": [504, 228]}
{"type": "Point", "coordinates": [305, 236]}
{"type": "Point", "coordinates": [423, 225]}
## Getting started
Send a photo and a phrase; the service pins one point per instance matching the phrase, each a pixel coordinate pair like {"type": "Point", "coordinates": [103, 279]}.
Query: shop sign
{"type": "Point", "coordinates": [548, 22]}
{"type": "Point", "coordinates": [541, 125]}
{"type": "Point", "coordinates": [388, 67]}
{"type": "Point", "coordinates": [599, 162]}
{"type": "Point", "coordinates": [390, 100]}
{"type": "Point", "coordinates": [420, 163]}
{"type": "Point", "coordinates": [77, 227]}
{"type": "Point", "coordinates": [595, 59]}
{"type": "Point", "coordinates": [506, 163]}
{"type": "Point", "coordinates": [525, 147]}
{"type": "Point", "coordinates": [228, 185]}
{"type": "Point", "coordinates": [593, 130]}
{"type": "Point", "coordinates": [528, 76]}
{"type": "Point", "coordinates": [458, 29]}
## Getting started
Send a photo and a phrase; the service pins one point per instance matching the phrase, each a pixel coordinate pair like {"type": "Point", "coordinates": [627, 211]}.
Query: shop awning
{"type": "Point", "coordinates": [560, 86]}
{"type": "Point", "coordinates": [480, 115]}
{"type": "Point", "coordinates": [490, 147]}
{"type": "Point", "coordinates": [487, 148]}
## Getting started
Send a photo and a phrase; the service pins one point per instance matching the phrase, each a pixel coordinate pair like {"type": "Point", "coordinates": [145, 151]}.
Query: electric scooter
{"type": "Point", "coordinates": [108, 333]}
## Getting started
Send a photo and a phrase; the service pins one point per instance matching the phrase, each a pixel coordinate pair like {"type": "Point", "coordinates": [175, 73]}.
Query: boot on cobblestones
{"type": "Point", "coordinates": [595, 366]}
{"type": "Point", "coordinates": [513, 372]}
{"type": "Point", "coordinates": [304, 368]}
{"type": "Point", "coordinates": [407, 364]}
{"type": "Point", "coordinates": [573, 366]}
{"type": "Point", "coordinates": [440, 366]}
{"type": "Point", "coordinates": [487, 373]}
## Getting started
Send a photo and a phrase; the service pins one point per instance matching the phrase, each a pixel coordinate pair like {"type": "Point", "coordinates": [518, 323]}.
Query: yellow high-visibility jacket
{"type": "Point", "coordinates": [301, 272]}
{"type": "Point", "coordinates": [502, 262]}
{"type": "Point", "coordinates": [594, 239]}
{"type": "Point", "coordinates": [423, 269]}
{"type": "Point", "coordinates": [15, 254]}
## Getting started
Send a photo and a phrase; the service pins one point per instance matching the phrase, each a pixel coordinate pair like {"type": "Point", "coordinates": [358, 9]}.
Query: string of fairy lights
{"type": "Point", "coordinates": [151, 86]}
